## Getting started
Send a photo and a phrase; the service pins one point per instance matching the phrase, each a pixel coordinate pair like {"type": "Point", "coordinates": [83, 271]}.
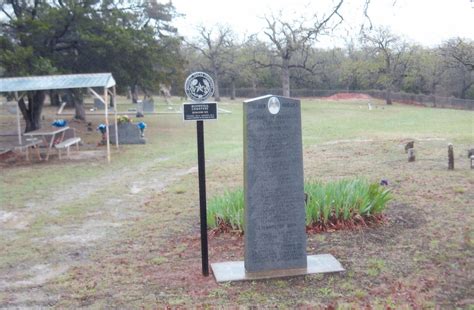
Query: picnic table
{"type": "Point", "coordinates": [55, 135]}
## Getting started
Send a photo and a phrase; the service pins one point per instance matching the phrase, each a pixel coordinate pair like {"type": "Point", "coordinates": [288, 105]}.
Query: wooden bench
{"type": "Point", "coordinates": [66, 144]}
{"type": "Point", "coordinates": [27, 144]}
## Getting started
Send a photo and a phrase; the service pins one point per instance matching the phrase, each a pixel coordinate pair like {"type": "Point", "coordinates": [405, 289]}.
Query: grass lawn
{"type": "Point", "coordinates": [81, 233]}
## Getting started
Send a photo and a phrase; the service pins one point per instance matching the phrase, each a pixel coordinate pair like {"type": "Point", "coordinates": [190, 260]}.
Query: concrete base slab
{"type": "Point", "coordinates": [235, 271]}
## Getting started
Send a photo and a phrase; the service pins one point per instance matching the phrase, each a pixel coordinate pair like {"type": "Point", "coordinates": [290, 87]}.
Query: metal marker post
{"type": "Point", "coordinates": [198, 87]}
{"type": "Point", "coordinates": [202, 196]}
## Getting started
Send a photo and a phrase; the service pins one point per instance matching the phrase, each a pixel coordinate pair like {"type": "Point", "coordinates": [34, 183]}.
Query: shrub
{"type": "Point", "coordinates": [329, 203]}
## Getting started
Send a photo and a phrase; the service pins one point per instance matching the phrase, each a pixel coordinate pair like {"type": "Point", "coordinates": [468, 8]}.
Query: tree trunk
{"type": "Point", "coordinates": [232, 94]}
{"type": "Point", "coordinates": [388, 96]}
{"type": "Point", "coordinates": [146, 95]}
{"type": "Point", "coordinates": [54, 98]}
{"type": "Point", "coordinates": [67, 97]}
{"type": "Point", "coordinates": [254, 87]}
{"type": "Point", "coordinates": [32, 112]}
{"type": "Point", "coordinates": [75, 96]}
{"type": "Point", "coordinates": [285, 78]}
{"type": "Point", "coordinates": [134, 91]}
{"type": "Point", "coordinates": [464, 88]}
{"type": "Point", "coordinates": [80, 111]}
{"type": "Point", "coordinates": [217, 95]}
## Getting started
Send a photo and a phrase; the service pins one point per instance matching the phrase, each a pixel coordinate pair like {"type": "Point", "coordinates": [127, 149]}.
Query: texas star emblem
{"type": "Point", "coordinates": [199, 86]}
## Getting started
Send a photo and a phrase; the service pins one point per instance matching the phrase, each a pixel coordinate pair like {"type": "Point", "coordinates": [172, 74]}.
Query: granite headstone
{"type": "Point", "coordinates": [139, 109]}
{"type": "Point", "coordinates": [128, 133]}
{"type": "Point", "coordinates": [98, 104]}
{"type": "Point", "coordinates": [275, 236]}
{"type": "Point", "coordinates": [148, 106]}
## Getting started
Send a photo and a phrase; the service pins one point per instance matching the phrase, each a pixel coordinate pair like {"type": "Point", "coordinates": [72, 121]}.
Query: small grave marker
{"type": "Point", "coordinates": [409, 145]}
{"type": "Point", "coordinates": [411, 155]}
{"type": "Point", "coordinates": [450, 157]}
{"type": "Point", "coordinates": [99, 104]}
{"type": "Point", "coordinates": [148, 106]}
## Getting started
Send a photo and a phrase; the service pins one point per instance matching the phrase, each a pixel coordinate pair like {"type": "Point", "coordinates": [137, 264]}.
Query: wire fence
{"type": "Point", "coordinates": [407, 98]}
{"type": "Point", "coordinates": [427, 100]}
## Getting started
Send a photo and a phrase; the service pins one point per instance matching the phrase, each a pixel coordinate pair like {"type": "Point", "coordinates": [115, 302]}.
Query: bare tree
{"type": "Point", "coordinates": [233, 65]}
{"type": "Point", "coordinates": [394, 53]}
{"type": "Point", "coordinates": [214, 43]}
{"type": "Point", "coordinates": [291, 40]}
{"type": "Point", "coordinates": [434, 70]}
{"type": "Point", "coordinates": [254, 54]}
{"type": "Point", "coordinates": [458, 55]}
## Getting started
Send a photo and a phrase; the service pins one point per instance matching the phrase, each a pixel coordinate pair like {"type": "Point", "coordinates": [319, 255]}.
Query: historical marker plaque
{"type": "Point", "coordinates": [275, 236]}
{"type": "Point", "coordinates": [199, 111]}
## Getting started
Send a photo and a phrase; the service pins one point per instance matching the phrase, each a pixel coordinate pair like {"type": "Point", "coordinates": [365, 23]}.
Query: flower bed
{"type": "Point", "coordinates": [335, 205]}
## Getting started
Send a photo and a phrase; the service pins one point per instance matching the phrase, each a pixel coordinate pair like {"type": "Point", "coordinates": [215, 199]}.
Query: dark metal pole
{"type": "Point", "coordinates": [202, 196]}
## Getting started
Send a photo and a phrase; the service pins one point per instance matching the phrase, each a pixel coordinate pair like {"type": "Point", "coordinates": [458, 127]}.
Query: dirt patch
{"type": "Point", "coordinates": [176, 266]}
{"type": "Point", "coordinates": [159, 184]}
{"type": "Point", "coordinates": [14, 159]}
{"type": "Point", "coordinates": [35, 276]}
{"type": "Point", "coordinates": [6, 216]}
{"type": "Point", "coordinates": [74, 238]}
{"type": "Point", "coordinates": [31, 298]}
{"type": "Point", "coordinates": [13, 220]}
{"type": "Point", "coordinates": [86, 155]}
{"type": "Point", "coordinates": [89, 232]}
{"type": "Point", "coordinates": [348, 141]}
{"type": "Point", "coordinates": [78, 238]}
{"type": "Point", "coordinates": [404, 216]}
{"type": "Point", "coordinates": [28, 292]}
{"type": "Point", "coordinates": [431, 139]}
{"type": "Point", "coordinates": [10, 158]}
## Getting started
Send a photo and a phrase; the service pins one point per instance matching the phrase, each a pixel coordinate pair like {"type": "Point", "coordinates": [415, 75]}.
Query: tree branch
{"type": "Point", "coordinates": [5, 12]}
{"type": "Point", "coordinates": [366, 14]}
{"type": "Point", "coordinates": [321, 25]}
{"type": "Point", "coordinates": [262, 65]}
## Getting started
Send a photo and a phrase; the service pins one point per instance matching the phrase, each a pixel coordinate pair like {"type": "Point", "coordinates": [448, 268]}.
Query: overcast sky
{"type": "Point", "coordinates": [428, 22]}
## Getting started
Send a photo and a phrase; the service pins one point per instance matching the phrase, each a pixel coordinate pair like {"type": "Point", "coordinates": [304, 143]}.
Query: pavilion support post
{"type": "Point", "coordinates": [114, 97]}
{"type": "Point", "coordinates": [107, 123]}
{"type": "Point", "coordinates": [97, 95]}
{"type": "Point", "coordinates": [106, 104]}
{"type": "Point", "coordinates": [18, 123]}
